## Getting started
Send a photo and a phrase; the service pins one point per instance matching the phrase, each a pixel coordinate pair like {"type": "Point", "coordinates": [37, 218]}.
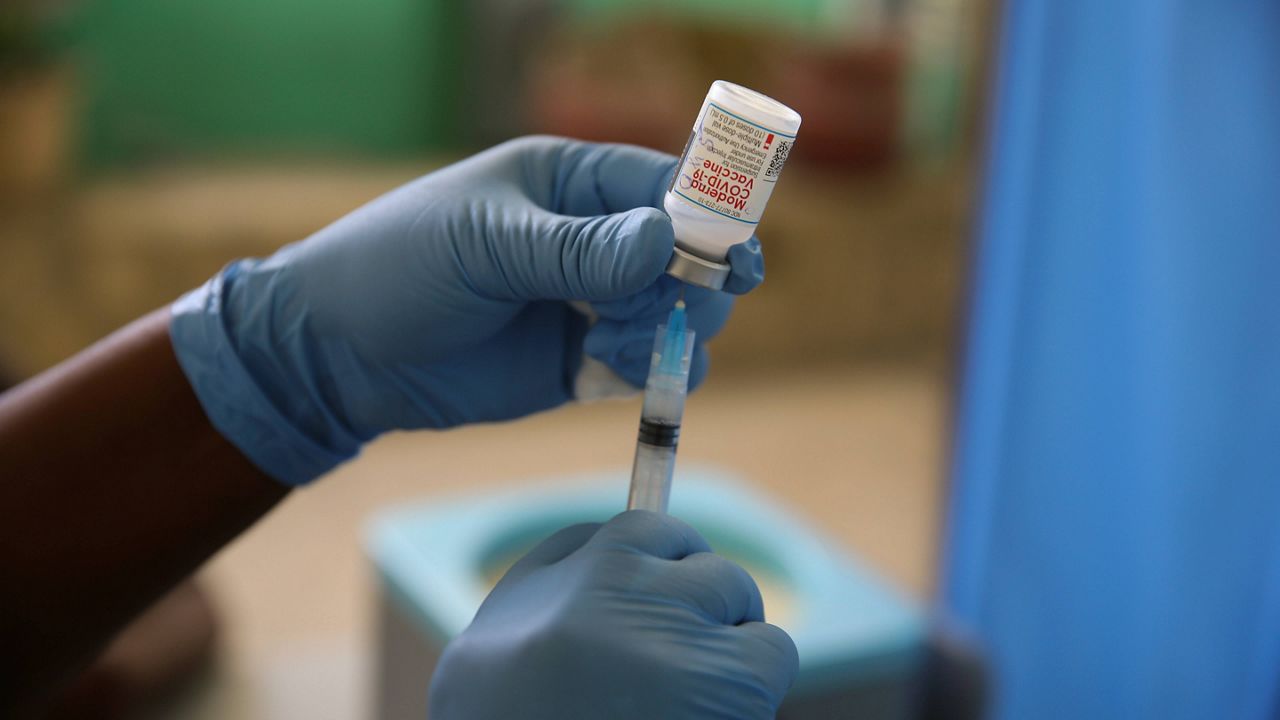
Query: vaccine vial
{"type": "Point", "coordinates": [726, 174]}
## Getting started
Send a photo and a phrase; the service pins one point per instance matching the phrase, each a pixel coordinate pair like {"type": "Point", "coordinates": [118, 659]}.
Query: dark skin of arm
{"type": "Point", "coordinates": [114, 487]}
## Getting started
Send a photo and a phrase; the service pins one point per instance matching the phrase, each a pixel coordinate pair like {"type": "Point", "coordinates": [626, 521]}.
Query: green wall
{"type": "Point", "coordinates": [176, 78]}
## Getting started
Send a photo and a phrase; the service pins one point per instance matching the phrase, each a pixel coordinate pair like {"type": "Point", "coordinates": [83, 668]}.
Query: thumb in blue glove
{"type": "Point", "coordinates": [635, 619]}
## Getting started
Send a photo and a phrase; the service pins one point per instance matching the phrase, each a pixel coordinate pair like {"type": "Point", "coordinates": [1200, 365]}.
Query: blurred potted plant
{"type": "Point", "coordinates": [35, 94]}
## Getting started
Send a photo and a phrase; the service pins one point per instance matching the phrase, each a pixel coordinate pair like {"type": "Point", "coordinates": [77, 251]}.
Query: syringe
{"type": "Point", "coordinates": [664, 394]}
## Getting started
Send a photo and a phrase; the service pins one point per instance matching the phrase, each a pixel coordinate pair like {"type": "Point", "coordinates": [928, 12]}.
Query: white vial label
{"type": "Point", "coordinates": [731, 164]}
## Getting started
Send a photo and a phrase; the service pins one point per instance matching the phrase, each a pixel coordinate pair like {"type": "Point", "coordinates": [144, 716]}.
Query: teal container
{"type": "Point", "coordinates": [860, 641]}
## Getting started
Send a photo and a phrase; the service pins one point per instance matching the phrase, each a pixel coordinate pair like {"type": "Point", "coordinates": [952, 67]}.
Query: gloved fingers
{"type": "Point", "coordinates": [536, 355]}
{"type": "Point", "coordinates": [625, 344]}
{"type": "Point", "coordinates": [655, 300]}
{"type": "Point", "coordinates": [699, 365]}
{"type": "Point", "coordinates": [660, 297]}
{"type": "Point", "coordinates": [593, 179]}
{"type": "Point", "coordinates": [708, 311]}
{"type": "Point", "coordinates": [716, 586]}
{"type": "Point", "coordinates": [656, 534]}
{"type": "Point", "coordinates": [630, 358]}
{"type": "Point", "coordinates": [626, 348]}
{"type": "Point", "coordinates": [774, 655]}
{"type": "Point", "coordinates": [557, 257]}
{"type": "Point", "coordinates": [559, 546]}
{"type": "Point", "coordinates": [746, 263]}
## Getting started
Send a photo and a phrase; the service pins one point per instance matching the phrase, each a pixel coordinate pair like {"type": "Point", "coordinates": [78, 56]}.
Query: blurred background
{"type": "Point", "coordinates": [145, 143]}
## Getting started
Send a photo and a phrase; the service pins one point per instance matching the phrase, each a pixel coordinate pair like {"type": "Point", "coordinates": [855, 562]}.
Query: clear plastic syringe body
{"type": "Point", "coordinates": [660, 419]}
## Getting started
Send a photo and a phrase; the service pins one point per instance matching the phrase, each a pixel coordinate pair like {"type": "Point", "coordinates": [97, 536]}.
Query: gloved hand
{"type": "Point", "coordinates": [443, 303]}
{"type": "Point", "coordinates": [632, 620]}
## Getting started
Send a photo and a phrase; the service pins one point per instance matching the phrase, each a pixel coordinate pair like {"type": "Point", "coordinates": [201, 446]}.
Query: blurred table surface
{"type": "Point", "coordinates": [858, 452]}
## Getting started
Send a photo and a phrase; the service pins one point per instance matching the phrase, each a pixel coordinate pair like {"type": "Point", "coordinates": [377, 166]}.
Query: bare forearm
{"type": "Point", "coordinates": [113, 487]}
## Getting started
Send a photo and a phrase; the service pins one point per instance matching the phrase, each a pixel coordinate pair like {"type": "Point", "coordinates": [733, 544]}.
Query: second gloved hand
{"type": "Point", "coordinates": [632, 620]}
{"type": "Point", "coordinates": [445, 302]}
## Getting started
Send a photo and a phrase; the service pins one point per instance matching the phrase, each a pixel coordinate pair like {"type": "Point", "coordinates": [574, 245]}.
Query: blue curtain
{"type": "Point", "coordinates": [1114, 529]}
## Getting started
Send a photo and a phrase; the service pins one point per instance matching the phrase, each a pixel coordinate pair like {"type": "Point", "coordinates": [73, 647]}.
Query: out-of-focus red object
{"type": "Point", "coordinates": [635, 82]}
{"type": "Point", "coordinates": [643, 81]}
{"type": "Point", "coordinates": [851, 99]}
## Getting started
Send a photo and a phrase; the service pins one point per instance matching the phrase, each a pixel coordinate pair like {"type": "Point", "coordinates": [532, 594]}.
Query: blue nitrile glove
{"type": "Point", "coordinates": [443, 303]}
{"type": "Point", "coordinates": [632, 620]}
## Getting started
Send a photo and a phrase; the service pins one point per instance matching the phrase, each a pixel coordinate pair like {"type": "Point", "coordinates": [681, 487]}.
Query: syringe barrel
{"type": "Point", "coordinates": [664, 395]}
{"type": "Point", "coordinates": [651, 477]}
